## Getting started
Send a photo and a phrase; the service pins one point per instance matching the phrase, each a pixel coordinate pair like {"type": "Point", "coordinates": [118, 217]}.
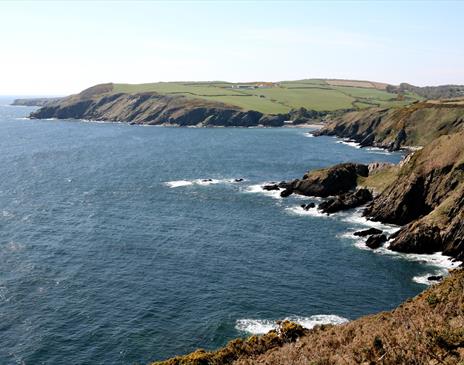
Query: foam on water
{"type": "Point", "coordinates": [178, 183]}
{"type": "Point", "coordinates": [355, 217]}
{"type": "Point", "coordinates": [261, 326]}
{"type": "Point", "coordinates": [201, 182]}
{"type": "Point", "coordinates": [312, 212]}
{"type": "Point", "coordinates": [258, 189]}
{"type": "Point", "coordinates": [350, 143]}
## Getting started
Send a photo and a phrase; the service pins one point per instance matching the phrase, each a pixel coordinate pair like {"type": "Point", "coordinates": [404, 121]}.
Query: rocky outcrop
{"type": "Point", "coordinates": [335, 180]}
{"type": "Point", "coordinates": [346, 201]}
{"type": "Point", "coordinates": [427, 197]}
{"type": "Point", "coordinates": [395, 128]}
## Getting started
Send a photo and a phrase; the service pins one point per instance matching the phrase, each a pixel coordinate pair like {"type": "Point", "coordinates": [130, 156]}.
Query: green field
{"type": "Point", "coordinates": [277, 97]}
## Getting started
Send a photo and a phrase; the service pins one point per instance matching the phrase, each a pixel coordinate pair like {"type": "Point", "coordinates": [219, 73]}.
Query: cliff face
{"type": "Point", "coordinates": [427, 329]}
{"type": "Point", "coordinates": [151, 108]}
{"type": "Point", "coordinates": [428, 197]}
{"type": "Point", "coordinates": [413, 125]}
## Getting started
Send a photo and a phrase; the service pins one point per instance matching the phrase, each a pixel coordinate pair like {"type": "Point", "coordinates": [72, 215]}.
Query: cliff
{"type": "Point", "coordinates": [427, 329]}
{"type": "Point", "coordinates": [427, 196]}
{"type": "Point", "coordinates": [394, 128]}
{"type": "Point", "coordinates": [100, 104]}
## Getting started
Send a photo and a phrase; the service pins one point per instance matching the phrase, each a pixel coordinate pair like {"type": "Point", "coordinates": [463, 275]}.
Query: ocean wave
{"type": "Point", "coordinates": [423, 279]}
{"type": "Point", "coordinates": [308, 134]}
{"type": "Point", "coordinates": [350, 143]}
{"type": "Point", "coordinates": [437, 260]}
{"type": "Point", "coordinates": [261, 326]}
{"type": "Point", "coordinates": [355, 217]}
{"type": "Point", "coordinates": [201, 182]}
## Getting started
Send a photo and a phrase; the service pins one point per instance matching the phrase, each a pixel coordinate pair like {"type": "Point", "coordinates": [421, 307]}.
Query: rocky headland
{"type": "Point", "coordinates": [100, 103]}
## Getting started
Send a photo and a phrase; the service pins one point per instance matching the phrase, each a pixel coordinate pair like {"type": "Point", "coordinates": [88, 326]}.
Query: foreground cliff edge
{"type": "Point", "coordinates": [427, 329]}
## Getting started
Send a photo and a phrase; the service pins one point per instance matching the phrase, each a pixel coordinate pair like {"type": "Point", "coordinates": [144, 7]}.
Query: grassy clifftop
{"type": "Point", "coordinates": [280, 97]}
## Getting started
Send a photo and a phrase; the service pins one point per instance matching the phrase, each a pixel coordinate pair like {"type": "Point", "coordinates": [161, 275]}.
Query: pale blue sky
{"type": "Point", "coordinates": [63, 47]}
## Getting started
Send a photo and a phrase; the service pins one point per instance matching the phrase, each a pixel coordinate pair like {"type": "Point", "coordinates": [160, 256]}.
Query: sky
{"type": "Point", "coordinates": [63, 47]}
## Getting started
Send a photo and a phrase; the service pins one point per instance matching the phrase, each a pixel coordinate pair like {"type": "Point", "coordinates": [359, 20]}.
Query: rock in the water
{"type": "Point", "coordinates": [376, 240]}
{"type": "Point", "coordinates": [346, 201]}
{"type": "Point", "coordinates": [286, 192]}
{"type": "Point", "coordinates": [270, 187]}
{"type": "Point", "coordinates": [238, 180]}
{"type": "Point", "coordinates": [368, 232]}
{"type": "Point", "coordinates": [334, 180]}
{"type": "Point", "coordinates": [308, 206]}
{"type": "Point", "coordinates": [435, 277]}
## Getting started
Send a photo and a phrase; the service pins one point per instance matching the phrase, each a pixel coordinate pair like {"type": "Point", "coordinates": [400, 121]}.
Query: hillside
{"type": "Point", "coordinates": [280, 97]}
{"type": "Point", "coordinates": [413, 125]}
{"type": "Point", "coordinates": [427, 196]}
{"type": "Point", "coordinates": [99, 103]}
{"type": "Point", "coordinates": [427, 329]}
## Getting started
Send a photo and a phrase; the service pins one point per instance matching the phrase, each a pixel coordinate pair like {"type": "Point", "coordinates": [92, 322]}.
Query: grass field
{"type": "Point", "coordinates": [316, 94]}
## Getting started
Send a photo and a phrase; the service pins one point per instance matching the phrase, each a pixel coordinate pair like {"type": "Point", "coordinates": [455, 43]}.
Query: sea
{"type": "Point", "coordinates": [126, 244]}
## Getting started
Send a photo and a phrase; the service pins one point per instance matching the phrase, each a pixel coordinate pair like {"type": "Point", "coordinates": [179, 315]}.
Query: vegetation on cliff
{"type": "Point", "coordinates": [413, 125]}
{"type": "Point", "coordinates": [221, 103]}
{"type": "Point", "coordinates": [428, 329]}
{"type": "Point", "coordinates": [427, 196]}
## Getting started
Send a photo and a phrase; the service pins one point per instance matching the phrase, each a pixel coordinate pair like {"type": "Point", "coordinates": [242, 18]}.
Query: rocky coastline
{"type": "Point", "coordinates": [397, 128]}
{"type": "Point", "coordinates": [149, 108]}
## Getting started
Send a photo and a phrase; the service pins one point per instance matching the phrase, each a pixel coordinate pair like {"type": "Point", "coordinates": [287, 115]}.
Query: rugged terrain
{"type": "Point", "coordinates": [221, 103]}
{"type": "Point", "coordinates": [428, 329]}
{"type": "Point", "coordinates": [394, 128]}
{"type": "Point", "coordinates": [99, 103]}
{"type": "Point", "coordinates": [427, 196]}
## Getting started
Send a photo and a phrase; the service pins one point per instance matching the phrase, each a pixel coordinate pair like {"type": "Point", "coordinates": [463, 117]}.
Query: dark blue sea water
{"type": "Point", "coordinates": [111, 252]}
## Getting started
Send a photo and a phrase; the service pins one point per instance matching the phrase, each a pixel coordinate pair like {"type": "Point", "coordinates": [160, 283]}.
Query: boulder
{"type": "Point", "coordinates": [375, 241]}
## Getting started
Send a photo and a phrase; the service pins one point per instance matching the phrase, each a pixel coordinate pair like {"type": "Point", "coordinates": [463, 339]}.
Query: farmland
{"type": "Point", "coordinates": [273, 98]}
